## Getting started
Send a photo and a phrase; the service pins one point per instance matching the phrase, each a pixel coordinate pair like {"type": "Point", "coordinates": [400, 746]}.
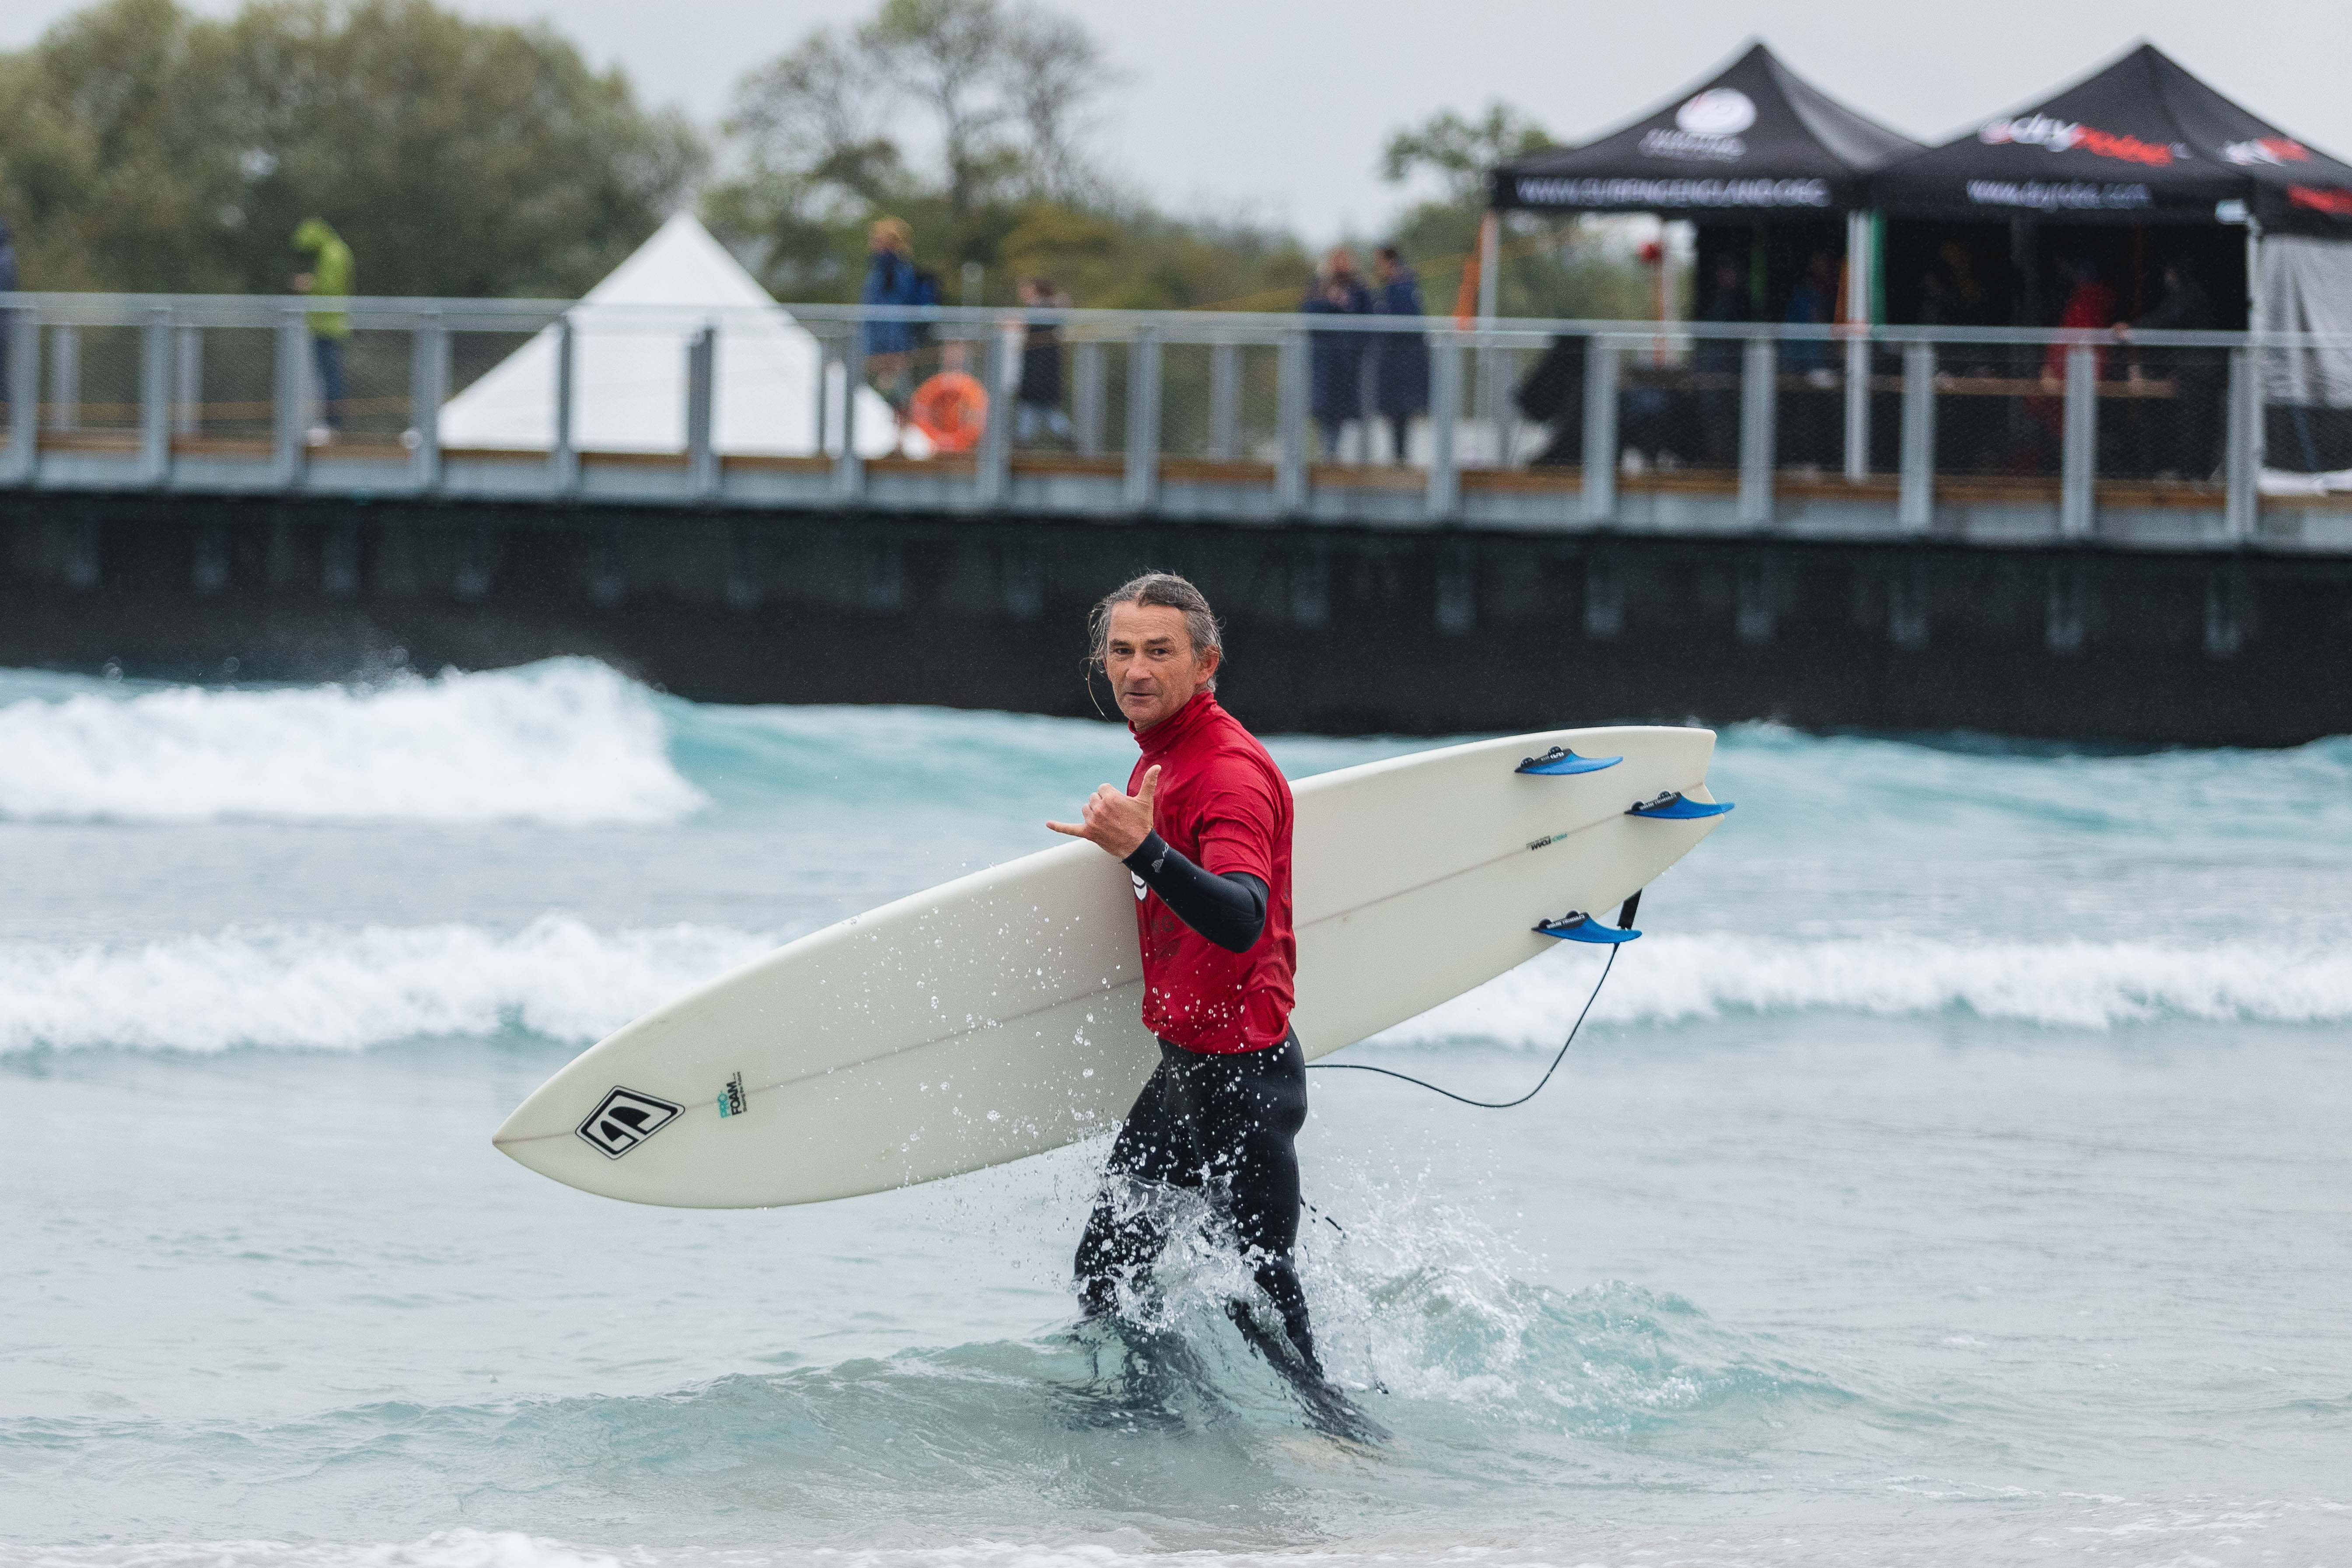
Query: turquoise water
{"type": "Point", "coordinates": [1957, 1171]}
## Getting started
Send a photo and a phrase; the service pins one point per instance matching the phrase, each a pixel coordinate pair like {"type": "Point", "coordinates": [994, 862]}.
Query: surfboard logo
{"type": "Point", "coordinates": [1141, 892]}
{"type": "Point", "coordinates": [625, 1118]}
{"type": "Point", "coordinates": [731, 1101]}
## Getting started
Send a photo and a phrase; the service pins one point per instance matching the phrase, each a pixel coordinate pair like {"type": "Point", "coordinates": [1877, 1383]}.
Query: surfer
{"type": "Point", "coordinates": [1203, 828]}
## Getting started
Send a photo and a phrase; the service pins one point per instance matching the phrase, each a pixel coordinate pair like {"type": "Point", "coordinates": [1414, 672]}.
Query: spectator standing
{"type": "Point", "coordinates": [330, 278]}
{"type": "Point", "coordinates": [1938, 306]}
{"type": "Point", "coordinates": [1553, 394]}
{"type": "Point", "coordinates": [1812, 411]}
{"type": "Point", "coordinates": [2184, 440]}
{"type": "Point", "coordinates": [1400, 359]}
{"type": "Point", "coordinates": [1336, 360]}
{"type": "Point", "coordinates": [1717, 362]}
{"type": "Point", "coordinates": [1040, 408]}
{"type": "Point", "coordinates": [1809, 304]}
{"type": "Point", "coordinates": [1968, 429]}
{"type": "Point", "coordinates": [1969, 306]}
{"type": "Point", "coordinates": [2090, 303]}
{"type": "Point", "coordinates": [891, 279]}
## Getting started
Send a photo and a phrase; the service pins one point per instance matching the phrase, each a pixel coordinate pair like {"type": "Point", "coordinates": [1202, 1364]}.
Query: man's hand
{"type": "Point", "coordinates": [1116, 821]}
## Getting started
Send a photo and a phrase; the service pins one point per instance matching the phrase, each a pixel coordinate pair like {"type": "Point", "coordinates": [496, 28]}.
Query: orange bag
{"type": "Point", "coordinates": [951, 408]}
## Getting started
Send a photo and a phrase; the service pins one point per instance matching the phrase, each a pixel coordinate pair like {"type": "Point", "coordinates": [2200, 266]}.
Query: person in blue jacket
{"type": "Point", "coordinates": [1336, 360]}
{"type": "Point", "coordinates": [1400, 359]}
{"type": "Point", "coordinates": [892, 278]}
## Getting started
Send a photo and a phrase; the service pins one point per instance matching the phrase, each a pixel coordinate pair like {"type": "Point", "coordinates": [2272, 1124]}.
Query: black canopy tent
{"type": "Point", "coordinates": [1764, 162]}
{"type": "Point", "coordinates": [1770, 171]}
{"type": "Point", "coordinates": [2137, 168]}
{"type": "Point", "coordinates": [1755, 140]}
{"type": "Point", "coordinates": [2137, 140]}
{"type": "Point", "coordinates": [2140, 162]}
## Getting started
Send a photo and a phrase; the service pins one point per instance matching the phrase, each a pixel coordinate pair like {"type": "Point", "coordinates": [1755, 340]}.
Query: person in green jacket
{"type": "Point", "coordinates": [330, 278]}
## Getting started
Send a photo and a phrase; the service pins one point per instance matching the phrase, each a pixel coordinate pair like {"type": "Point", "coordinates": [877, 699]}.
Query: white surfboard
{"type": "Point", "coordinates": [996, 1016]}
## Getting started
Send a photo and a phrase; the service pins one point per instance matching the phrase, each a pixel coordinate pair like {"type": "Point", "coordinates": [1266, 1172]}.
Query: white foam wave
{"type": "Point", "coordinates": [317, 988]}
{"type": "Point", "coordinates": [446, 1549]}
{"type": "Point", "coordinates": [568, 742]}
{"type": "Point", "coordinates": [1667, 979]}
{"type": "Point", "coordinates": [2073, 1527]}
{"type": "Point", "coordinates": [469, 1548]}
{"type": "Point", "coordinates": [312, 987]}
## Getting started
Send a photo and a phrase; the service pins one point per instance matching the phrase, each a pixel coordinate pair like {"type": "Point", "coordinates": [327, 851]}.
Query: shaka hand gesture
{"type": "Point", "coordinates": [1115, 821]}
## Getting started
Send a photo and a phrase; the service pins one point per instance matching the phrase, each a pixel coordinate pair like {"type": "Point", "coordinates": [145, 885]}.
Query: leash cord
{"type": "Point", "coordinates": [1488, 1104]}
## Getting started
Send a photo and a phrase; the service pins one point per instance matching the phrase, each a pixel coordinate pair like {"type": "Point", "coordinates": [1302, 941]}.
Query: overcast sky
{"type": "Point", "coordinates": [1277, 107]}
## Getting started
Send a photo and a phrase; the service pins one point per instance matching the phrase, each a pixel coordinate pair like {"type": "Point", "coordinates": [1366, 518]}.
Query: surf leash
{"type": "Point", "coordinates": [1625, 922]}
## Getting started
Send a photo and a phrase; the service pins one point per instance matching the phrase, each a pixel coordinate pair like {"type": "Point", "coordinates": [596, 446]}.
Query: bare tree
{"type": "Point", "coordinates": [817, 116]}
{"type": "Point", "coordinates": [1006, 86]}
{"type": "Point", "coordinates": [948, 56]}
{"type": "Point", "coordinates": [1052, 67]}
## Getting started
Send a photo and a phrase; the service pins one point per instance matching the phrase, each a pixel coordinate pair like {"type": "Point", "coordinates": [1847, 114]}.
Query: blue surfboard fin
{"type": "Point", "coordinates": [1560, 761]}
{"type": "Point", "coordinates": [1577, 926]}
{"type": "Point", "coordinates": [1675, 806]}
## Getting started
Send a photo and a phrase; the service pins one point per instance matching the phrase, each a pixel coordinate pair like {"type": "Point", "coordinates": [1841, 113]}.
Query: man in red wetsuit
{"type": "Point", "coordinates": [1203, 828]}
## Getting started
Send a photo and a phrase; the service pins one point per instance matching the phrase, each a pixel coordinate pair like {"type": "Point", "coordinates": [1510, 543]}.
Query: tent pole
{"type": "Point", "coordinates": [1857, 347]}
{"type": "Point", "coordinates": [1878, 267]}
{"type": "Point", "coordinates": [2255, 421]}
{"type": "Point", "coordinates": [2254, 276]}
{"type": "Point", "coordinates": [1490, 245]}
{"type": "Point", "coordinates": [1490, 254]}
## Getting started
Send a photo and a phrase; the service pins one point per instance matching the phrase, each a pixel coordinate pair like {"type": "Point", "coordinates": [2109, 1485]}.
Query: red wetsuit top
{"type": "Point", "coordinates": [1223, 804]}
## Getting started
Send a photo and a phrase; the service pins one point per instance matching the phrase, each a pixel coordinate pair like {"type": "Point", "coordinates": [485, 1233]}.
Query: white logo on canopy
{"type": "Point", "coordinates": [1706, 129]}
{"type": "Point", "coordinates": [1718, 111]}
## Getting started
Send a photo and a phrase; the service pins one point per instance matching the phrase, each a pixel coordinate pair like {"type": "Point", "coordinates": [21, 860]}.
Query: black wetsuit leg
{"type": "Point", "coordinates": [1230, 1119]}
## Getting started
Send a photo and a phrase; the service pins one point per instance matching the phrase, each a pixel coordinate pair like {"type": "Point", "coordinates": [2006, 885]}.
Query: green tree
{"type": "Point", "coordinates": [1460, 152]}
{"type": "Point", "coordinates": [1004, 95]}
{"type": "Point", "coordinates": [144, 148]}
{"type": "Point", "coordinates": [115, 165]}
{"type": "Point", "coordinates": [1551, 267]}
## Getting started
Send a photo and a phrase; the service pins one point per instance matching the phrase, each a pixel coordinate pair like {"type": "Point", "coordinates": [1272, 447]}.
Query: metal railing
{"type": "Point", "coordinates": [1564, 424]}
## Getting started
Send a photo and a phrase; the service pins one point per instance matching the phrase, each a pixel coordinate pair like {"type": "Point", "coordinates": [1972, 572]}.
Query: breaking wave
{"type": "Point", "coordinates": [317, 987]}
{"type": "Point", "coordinates": [323, 988]}
{"type": "Point", "coordinates": [568, 742]}
{"type": "Point", "coordinates": [1670, 979]}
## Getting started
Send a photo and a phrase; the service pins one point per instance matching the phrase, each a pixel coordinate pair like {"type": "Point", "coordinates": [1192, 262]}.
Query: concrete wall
{"type": "Point", "coordinates": [1330, 628]}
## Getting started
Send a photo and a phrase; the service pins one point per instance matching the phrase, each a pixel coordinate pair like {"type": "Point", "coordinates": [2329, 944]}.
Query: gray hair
{"type": "Point", "coordinates": [1165, 589]}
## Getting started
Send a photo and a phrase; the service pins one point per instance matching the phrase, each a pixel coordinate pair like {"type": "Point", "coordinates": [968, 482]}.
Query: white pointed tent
{"type": "Point", "coordinates": [630, 335]}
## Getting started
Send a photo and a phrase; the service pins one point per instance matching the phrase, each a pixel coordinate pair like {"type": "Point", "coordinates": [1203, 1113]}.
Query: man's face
{"type": "Point", "coordinates": [1149, 658]}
